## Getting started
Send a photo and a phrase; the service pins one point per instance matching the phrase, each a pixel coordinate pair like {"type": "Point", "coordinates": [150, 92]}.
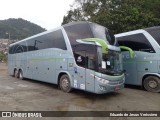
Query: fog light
{"type": "Point", "coordinates": [102, 87]}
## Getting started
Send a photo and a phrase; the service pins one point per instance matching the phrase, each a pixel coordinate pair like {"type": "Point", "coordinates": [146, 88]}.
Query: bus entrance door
{"type": "Point", "coordinates": [85, 58]}
{"type": "Point", "coordinates": [130, 67]}
{"type": "Point", "coordinates": [79, 70]}
{"type": "Point", "coordinates": [90, 82]}
{"type": "Point", "coordinates": [90, 71]}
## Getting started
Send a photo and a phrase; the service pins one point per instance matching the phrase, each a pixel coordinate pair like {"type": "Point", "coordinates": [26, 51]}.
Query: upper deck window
{"type": "Point", "coordinates": [78, 31]}
{"type": "Point", "coordinates": [89, 30]}
{"type": "Point", "coordinates": [155, 34]}
{"type": "Point", "coordinates": [103, 33]}
{"type": "Point", "coordinates": [51, 40]}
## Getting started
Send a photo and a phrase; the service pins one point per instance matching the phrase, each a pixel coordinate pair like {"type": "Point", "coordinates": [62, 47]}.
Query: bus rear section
{"type": "Point", "coordinates": [143, 68]}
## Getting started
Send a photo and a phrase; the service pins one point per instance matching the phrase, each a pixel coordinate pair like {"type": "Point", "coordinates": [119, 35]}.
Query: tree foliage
{"type": "Point", "coordinates": [117, 15]}
{"type": "Point", "coordinates": [18, 29]}
{"type": "Point", "coordinates": [2, 56]}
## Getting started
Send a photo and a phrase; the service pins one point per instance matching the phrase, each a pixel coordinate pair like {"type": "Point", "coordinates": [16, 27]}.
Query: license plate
{"type": "Point", "coordinates": [117, 88]}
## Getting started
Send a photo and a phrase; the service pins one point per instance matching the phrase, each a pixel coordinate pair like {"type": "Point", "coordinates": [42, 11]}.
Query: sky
{"type": "Point", "coordinates": [46, 13]}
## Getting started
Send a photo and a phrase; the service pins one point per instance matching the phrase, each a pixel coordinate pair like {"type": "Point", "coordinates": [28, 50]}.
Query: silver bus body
{"type": "Point", "coordinates": [143, 69]}
{"type": "Point", "coordinates": [72, 55]}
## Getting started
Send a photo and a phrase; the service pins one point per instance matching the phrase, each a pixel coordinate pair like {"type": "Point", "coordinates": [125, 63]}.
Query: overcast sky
{"type": "Point", "coordinates": [46, 13]}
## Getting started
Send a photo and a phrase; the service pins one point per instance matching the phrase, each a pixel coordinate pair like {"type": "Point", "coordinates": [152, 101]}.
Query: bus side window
{"type": "Point", "coordinates": [31, 45]}
{"type": "Point", "coordinates": [137, 42]}
{"type": "Point", "coordinates": [50, 40]}
{"type": "Point", "coordinates": [11, 50]}
{"type": "Point", "coordinates": [80, 58]}
{"type": "Point", "coordinates": [86, 60]}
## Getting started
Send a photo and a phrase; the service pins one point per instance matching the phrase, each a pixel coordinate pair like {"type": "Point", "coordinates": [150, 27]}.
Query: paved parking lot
{"type": "Point", "coordinates": [29, 95]}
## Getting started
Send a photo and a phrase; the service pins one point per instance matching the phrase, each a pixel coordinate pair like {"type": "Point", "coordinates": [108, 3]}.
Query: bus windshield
{"type": "Point", "coordinates": [110, 63]}
{"type": "Point", "coordinates": [89, 30]}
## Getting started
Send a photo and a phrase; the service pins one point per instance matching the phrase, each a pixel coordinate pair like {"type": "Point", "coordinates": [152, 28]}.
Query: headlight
{"type": "Point", "coordinates": [101, 80]}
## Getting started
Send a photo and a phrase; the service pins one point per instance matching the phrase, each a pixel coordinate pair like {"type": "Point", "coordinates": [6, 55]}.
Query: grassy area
{"type": "Point", "coordinates": [3, 57]}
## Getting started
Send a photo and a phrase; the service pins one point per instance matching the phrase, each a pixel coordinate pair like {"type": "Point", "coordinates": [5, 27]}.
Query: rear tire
{"type": "Point", "coordinates": [16, 75]}
{"type": "Point", "coordinates": [64, 83]}
{"type": "Point", "coordinates": [21, 75]}
{"type": "Point", "coordinates": [152, 84]}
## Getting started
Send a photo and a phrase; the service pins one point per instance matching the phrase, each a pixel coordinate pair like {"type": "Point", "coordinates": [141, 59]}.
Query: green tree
{"type": "Point", "coordinates": [117, 15]}
{"type": "Point", "coordinates": [2, 56]}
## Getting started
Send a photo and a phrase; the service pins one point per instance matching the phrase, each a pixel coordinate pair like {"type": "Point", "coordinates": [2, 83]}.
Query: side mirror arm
{"type": "Point", "coordinates": [128, 49]}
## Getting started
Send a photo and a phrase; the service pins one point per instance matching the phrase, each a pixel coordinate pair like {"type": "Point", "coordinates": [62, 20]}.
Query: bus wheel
{"type": "Point", "coordinates": [152, 84]}
{"type": "Point", "coordinates": [21, 75]}
{"type": "Point", "coordinates": [16, 73]}
{"type": "Point", "coordinates": [65, 83]}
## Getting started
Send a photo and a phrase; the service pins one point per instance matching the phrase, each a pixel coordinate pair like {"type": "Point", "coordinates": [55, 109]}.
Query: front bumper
{"type": "Point", "coordinates": [109, 86]}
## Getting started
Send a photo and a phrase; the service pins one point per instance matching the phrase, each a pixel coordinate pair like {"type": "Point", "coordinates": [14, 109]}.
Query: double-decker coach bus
{"type": "Point", "coordinates": [80, 55]}
{"type": "Point", "coordinates": [143, 68]}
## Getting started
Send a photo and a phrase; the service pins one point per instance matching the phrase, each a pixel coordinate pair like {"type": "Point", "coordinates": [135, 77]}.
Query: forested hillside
{"type": "Point", "coordinates": [18, 29]}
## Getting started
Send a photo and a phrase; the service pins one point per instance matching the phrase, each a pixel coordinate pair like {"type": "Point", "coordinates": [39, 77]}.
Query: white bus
{"type": "Point", "coordinates": [80, 55]}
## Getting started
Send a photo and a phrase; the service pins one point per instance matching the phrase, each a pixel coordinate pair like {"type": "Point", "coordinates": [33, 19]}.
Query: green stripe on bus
{"type": "Point", "coordinates": [45, 59]}
{"type": "Point", "coordinates": [135, 62]}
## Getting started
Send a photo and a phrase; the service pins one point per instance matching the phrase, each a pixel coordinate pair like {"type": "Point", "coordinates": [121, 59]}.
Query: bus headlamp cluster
{"type": "Point", "coordinates": [101, 80]}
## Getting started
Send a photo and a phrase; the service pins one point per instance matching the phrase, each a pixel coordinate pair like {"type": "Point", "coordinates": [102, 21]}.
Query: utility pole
{"type": "Point", "coordinates": [8, 33]}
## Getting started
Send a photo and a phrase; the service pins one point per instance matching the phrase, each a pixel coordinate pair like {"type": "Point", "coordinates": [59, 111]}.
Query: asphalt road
{"type": "Point", "coordinates": [29, 95]}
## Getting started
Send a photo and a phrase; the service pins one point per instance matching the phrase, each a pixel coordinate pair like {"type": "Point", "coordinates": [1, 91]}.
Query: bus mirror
{"type": "Point", "coordinates": [128, 49]}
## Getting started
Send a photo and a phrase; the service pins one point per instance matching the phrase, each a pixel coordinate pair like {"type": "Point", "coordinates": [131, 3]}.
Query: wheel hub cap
{"type": "Point", "coordinates": [65, 83]}
{"type": "Point", "coordinates": [20, 75]}
{"type": "Point", "coordinates": [152, 84]}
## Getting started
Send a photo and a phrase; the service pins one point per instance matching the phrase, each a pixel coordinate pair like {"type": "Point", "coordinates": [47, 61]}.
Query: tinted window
{"type": "Point", "coordinates": [50, 40]}
{"type": "Point", "coordinates": [85, 55]}
{"type": "Point", "coordinates": [85, 59]}
{"type": "Point", "coordinates": [31, 44]}
{"type": "Point", "coordinates": [23, 46]}
{"type": "Point", "coordinates": [137, 42]}
{"type": "Point", "coordinates": [44, 41]}
{"type": "Point", "coordinates": [59, 41]}
{"type": "Point", "coordinates": [156, 35]}
{"type": "Point", "coordinates": [80, 58]}
{"type": "Point", "coordinates": [11, 49]}
{"type": "Point", "coordinates": [78, 31]}
{"type": "Point", "coordinates": [18, 48]}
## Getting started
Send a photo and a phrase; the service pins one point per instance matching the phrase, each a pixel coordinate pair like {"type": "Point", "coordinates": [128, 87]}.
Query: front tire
{"type": "Point", "coordinates": [152, 84]}
{"type": "Point", "coordinates": [64, 83]}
